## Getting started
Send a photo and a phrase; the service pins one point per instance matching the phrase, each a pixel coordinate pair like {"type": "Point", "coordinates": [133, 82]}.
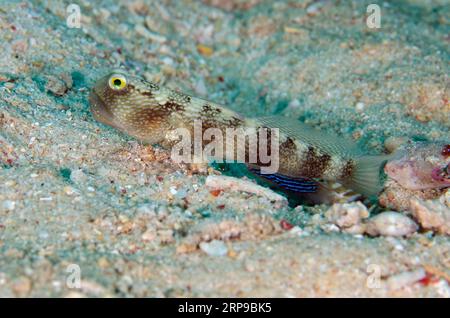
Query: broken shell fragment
{"type": "Point", "coordinates": [391, 224]}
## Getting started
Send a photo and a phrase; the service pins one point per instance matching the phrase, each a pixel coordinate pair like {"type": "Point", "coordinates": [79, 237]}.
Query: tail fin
{"type": "Point", "coordinates": [367, 175]}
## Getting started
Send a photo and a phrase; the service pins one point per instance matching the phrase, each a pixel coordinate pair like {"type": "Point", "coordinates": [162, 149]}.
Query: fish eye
{"type": "Point", "coordinates": [117, 82]}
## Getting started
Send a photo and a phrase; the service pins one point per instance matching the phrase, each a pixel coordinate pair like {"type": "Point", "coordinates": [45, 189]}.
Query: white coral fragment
{"type": "Point", "coordinates": [391, 224]}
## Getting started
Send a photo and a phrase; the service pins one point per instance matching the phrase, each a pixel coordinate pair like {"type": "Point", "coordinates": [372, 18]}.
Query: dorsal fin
{"type": "Point", "coordinates": [327, 142]}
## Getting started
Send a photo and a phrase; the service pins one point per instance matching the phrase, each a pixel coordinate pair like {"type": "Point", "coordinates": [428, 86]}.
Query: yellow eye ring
{"type": "Point", "coordinates": [117, 82]}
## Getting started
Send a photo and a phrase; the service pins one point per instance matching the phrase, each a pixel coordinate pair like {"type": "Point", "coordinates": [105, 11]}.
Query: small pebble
{"type": "Point", "coordinates": [148, 235]}
{"type": "Point", "coordinates": [69, 190]}
{"type": "Point", "coordinates": [404, 279]}
{"type": "Point", "coordinates": [393, 143]}
{"type": "Point", "coordinates": [348, 214]}
{"type": "Point", "coordinates": [431, 215]}
{"type": "Point", "coordinates": [173, 190]}
{"type": "Point", "coordinates": [314, 7]}
{"type": "Point", "coordinates": [235, 184]}
{"type": "Point", "coordinates": [445, 199]}
{"type": "Point", "coordinates": [58, 85]}
{"type": "Point", "coordinates": [181, 194]}
{"type": "Point", "coordinates": [43, 235]}
{"type": "Point", "coordinates": [200, 88]}
{"type": "Point", "coordinates": [360, 106]}
{"type": "Point", "coordinates": [391, 224]}
{"type": "Point", "coordinates": [9, 85]}
{"type": "Point", "coordinates": [214, 248]}
{"type": "Point", "coordinates": [78, 176]}
{"type": "Point", "coordinates": [21, 286]}
{"type": "Point", "coordinates": [74, 294]}
{"type": "Point", "coordinates": [205, 50]}
{"type": "Point", "coordinates": [9, 205]}
{"type": "Point", "coordinates": [294, 104]}
{"type": "Point", "coordinates": [103, 263]}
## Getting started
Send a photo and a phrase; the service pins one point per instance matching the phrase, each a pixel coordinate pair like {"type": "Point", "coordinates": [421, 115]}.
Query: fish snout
{"type": "Point", "coordinates": [442, 175]}
{"type": "Point", "coordinates": [100, 110]}
{"type": "Point", "coordinates": [96, 103]}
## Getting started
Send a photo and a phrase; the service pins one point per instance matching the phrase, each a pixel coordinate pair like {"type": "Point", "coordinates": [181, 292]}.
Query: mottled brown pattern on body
{"type": "Point", "coordinates": [150, 85]}
{"type": "Point", "coordinates": [179, 97]}
{"type": "Point", "coordinates": [148, 94]}
{"type": "Point", "coordinates": [289, 161]}
{"type": "Point", "coordinates": [147, 119]}
{"type": "Point", "coordinates": [314, 163]}
{"type": "Point", "coordinates": [348, 169]}
{"type": "Point", "coordinates": [173, 107]}
{"type": "Point", "coordinates": [210, 111]}
{"type": "Point", "coordinates": [288, 146]}
{"type": "Point", "coordinates": [234, 122]}
{"type": "Point", "coordinates": [212, 117]}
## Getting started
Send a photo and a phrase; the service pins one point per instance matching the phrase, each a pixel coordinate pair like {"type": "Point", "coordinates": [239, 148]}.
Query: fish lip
{"type": "Point", "coordinates": [95, 102]}
{"type": "Point", "coordinates": [101, 112]}
{"type": "Point", "coordinates": [99, 109]}
{"type": "Point", "coordinates": [436, 175]}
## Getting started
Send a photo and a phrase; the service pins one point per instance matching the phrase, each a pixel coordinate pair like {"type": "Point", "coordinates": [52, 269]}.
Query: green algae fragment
{"type": "Point", "coordinates": [65, 174]}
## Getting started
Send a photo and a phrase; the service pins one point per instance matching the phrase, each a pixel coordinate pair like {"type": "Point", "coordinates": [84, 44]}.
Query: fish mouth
{"type": "Point", "coordinates": [97, 106]}
{"type": "Point", "coordinates": [100, 110]}
{"type": "Point", "coordinates": [442, 175]}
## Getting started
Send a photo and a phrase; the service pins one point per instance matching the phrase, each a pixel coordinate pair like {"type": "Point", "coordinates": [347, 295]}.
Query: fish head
{"type": "Point", "coordinates": [132, 105]}
{"type": "Point", "coordinates": [421, 166]}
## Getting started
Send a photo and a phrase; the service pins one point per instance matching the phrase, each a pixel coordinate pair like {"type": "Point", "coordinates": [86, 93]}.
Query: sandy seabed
{"type": "Point", "coordinates": [77, 195]}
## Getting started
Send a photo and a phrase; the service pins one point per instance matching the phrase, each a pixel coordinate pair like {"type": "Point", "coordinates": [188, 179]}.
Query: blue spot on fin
{"type": "Point", "coordinates": [301, 185]}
